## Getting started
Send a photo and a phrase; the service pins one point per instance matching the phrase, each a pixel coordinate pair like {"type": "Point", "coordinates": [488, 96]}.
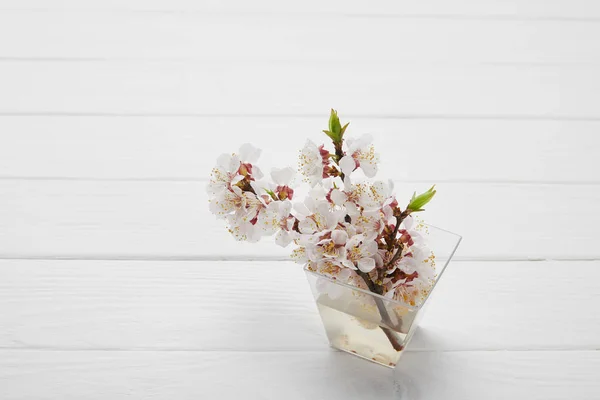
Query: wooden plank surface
{"type": "Point", "coordinates": [113, 272]}
{"type": "Point", "coordinates": [578, 10]}
{"type": "Point", "coordinates": [299, 89]}
{"type": "Point", "coordinates": [125, 219]}
{"type": "Point", "coordinates": [182, 306]}
{"type": "Point", "coordinates": [185, 148]}
{"type": "Point", "coordinates": [193, 375]}
{"type": "Point", "coordinates": [338, 38]}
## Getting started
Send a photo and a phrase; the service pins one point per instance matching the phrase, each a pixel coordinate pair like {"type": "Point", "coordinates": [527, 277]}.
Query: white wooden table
{"type": "Point", "coordinates": [117, 283]}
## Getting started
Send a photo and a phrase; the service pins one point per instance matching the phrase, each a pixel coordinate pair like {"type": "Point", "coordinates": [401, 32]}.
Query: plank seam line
{"type": "Point", "coordinates": [193, 60]}
{"type": "Point", "coordinates": [300, 15]}
{"type": "Point", "coordinates": [474, 117]}
{"type": "Point", "coordinates": [205, 180]}
{"type": "Point", "coordinates": [313, 350]}
{"type": "Point", "coordinates": [246, 258]}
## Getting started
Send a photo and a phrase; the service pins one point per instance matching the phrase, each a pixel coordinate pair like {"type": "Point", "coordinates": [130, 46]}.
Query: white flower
{"type": "Point", "coordinates": [380, 193]}
{"type": "Point", "coordinates": [276, 217]}
{"type": "Point", "coordinates": [243, 231]}
{"type": "Point", "coordinates": [249, 153]}
{"type": "Point", "coordinates": [411, 232]}
{"type": "Point", "coordinates": [369, 222]}
{"type": "Point", "coordinates": [310, 163]}
{"type": "Point", "coordinates": [412, 276]}
{"type": "Point", "coordinates": [349, 198]}
{"type": "Point", "coordinates": [225, 173]}
{"type": "Point", "coordinates": [360, 154]}
{"type": "Point", "coordinates": [283, 178]}
{"type": "Point", "coordinates": [331, 245]}
{"type": "Point", "coordinates": [242, 215]}
{"type": "Point", "coordinates": [346, 227]}
{"type": "Point", "coordinates": [360, 252]}
{"type": "Point", "coordinates": [233, 168]}
{"type": "Point", "coordinates": [263, 188]}
{"type": "Point", "coordinates": [300, 255]}
{"type": "Point", "coordinates": [333, 290]}
{"type": "Point", "coordinates": [366, 196]}
{"type": "Point", "coordinates": [316, 216]}
{"type": "Point", "coordinates": [227, 201]}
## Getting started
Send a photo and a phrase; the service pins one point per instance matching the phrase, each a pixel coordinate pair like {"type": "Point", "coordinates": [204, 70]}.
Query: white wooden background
{"type": "Point", "coordinates": [116, 282]}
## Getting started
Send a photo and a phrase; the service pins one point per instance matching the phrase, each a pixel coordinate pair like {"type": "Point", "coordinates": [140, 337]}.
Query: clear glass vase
{"type": "Point", "coordinates": [369, 325]}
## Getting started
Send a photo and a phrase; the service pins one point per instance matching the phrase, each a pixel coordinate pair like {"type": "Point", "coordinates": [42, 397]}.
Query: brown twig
{"type": "Point", "coordinates": [396, 243]}
{"type": "Point", "coordinates": [385, 316]}
{"type": "Point", "coordinates": [396, 255]}
{"type": "Point", "coordinates": [339, 154]}
{"type": "Point", "coordinates": [399, 218]}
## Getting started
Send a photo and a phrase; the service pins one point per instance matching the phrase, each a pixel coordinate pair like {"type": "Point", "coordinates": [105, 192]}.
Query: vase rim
{"type": "Point", "coordinates": [397, 302]}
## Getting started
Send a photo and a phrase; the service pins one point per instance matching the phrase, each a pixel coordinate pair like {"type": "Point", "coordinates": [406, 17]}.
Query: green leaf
{"type": "Point", "coordinates": [330, 134]}
{"type": "Point", "coordinates": [344, 128]}
{"type": "Point", "coordinates": [271, 193]}
{"type": "Point", "coordinates": [417, 202]}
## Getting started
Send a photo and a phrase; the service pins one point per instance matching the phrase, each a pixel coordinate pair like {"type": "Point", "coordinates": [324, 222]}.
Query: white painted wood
{"type": "Point", "coordinates": [300, 88]}
{"type": "Point", "coordinates": [112, 112]}
{"type": "Point", "coordinates": [267, 306]}
{"type": "Point", "coordinates": [55, 218]}
{"type": "Point", "coordinates": [325, 374]}
{"type": "Point", "coordinates": [511, 9]}
{"type": "Point", "coordinates": [187, 147]}
{"type": "Point", "coordinates": [301, 38]}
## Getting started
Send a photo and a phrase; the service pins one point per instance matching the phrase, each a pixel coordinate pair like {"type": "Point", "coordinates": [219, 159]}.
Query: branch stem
{"type": "Point", "coordinates": [385, 316]}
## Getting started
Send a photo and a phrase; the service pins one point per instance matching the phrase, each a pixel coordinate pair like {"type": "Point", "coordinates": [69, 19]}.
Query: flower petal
{"type": "Point", "coordinates": [307, 226]}
{"type": "Point", "coordinates": [301, 209]}
{"type": "Point", "coordinates": [285, 207]}
{"type": "Point", "coordinates": [366, 264]}
{"type": "Point", "coordinates": [344, 274]}
{"type": "Point", "coordinates": [338, 197]}
{"type": "Point", "coordinates": [339, 237]}
{"type": "Point", "coordinates": [363, 141]}
{"type": "Point", "coordinates": [234, 163]}
{"type": "Point", "coordinates": [236, 179]}
{"type": "Point", "coordinates": [223, 161]}
{"type": "Point", "coordinates": [256, 172]}
{"type": "Point", "coordinates": [408, 222]}
{"type": "Point", "coordinates": [369, 248]}
{"type": "Point", "coordinates": [249, 153]}
{"type": "Point", "coordinates": [282, 176]}
{"type": "Point", "coordinates": [347, 165]}
{"type": "Point", "coordinates": [348, 264]}
{"type": "Point", "coordinates": [283, 238]}
{"type": "Point", "coordinates": [351, 209]}
{"type": "Point", "coordinates": [369, 168]}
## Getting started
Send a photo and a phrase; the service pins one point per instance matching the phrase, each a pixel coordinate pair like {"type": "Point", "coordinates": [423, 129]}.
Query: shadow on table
{"type": "Point", "coordinates": [352, 378]}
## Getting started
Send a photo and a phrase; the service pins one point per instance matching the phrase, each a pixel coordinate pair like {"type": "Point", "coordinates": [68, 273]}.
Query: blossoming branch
{"type": "Point", "coordinates": [349, 230]}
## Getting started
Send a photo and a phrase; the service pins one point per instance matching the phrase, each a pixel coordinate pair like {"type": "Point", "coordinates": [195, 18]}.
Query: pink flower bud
{"type": "Point", "coordinates": [245, 169]}
{"type": "Point", "coordinates": [406, 238]}
{"type": "Point", "coordinates": [284, 192]}
{"type": "Point", "coordinates": [324, 154]}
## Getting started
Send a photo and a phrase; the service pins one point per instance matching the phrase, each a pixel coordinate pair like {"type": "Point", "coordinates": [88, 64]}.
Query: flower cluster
{"type": "Point", "coordinates": [349, 229]}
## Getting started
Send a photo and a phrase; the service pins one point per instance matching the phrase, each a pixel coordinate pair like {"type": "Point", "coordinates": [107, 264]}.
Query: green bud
{"type": "Point", "coordinates": [417, 202]}
{"type": "Point", "coordinates": [335, 131]}
{"type": "Point", "coordinates": [271, 193]}
{"type": "Point", "coordinates": [334, 122]}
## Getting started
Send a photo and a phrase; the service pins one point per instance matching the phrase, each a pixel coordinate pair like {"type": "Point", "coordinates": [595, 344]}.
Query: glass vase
{"type": "Point", "coordinates": [367, 324]}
